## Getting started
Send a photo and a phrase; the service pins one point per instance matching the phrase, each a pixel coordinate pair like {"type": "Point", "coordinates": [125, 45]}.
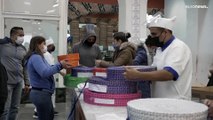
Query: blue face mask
{"type": "Point", "coordinates": [116, 47]}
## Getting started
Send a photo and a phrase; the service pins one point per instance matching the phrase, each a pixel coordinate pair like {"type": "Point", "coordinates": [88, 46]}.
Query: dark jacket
{"type": "Point", "coordinates": [3, 87]}
{"type": "Point", "coordinates": [141, 56]}
{"type": "Point", "coordinates": [88, 55]}
{"type": "Point", "coordinates": [123, 56]}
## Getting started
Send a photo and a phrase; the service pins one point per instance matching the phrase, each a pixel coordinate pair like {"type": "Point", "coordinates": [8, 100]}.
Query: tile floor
{"type": "Point", "coordinates": [26, 112]}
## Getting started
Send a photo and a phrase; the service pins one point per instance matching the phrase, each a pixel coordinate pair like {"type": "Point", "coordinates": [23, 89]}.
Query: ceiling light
{"type": "Point", "coordinates": [27, 3]}
{"type": "Point", "coordinates": [55, 5]}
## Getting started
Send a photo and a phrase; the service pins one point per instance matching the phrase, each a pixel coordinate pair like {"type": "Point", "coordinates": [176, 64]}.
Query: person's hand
{"type": "Point", "coordinates": [97, 63]}
{"type": "Point", "coordinates": [209, 103]}
{"type": "Point", "coordinates": [65, 64]}
{"type": "Point", "coordinates": [209, 74]}
{"type": "Point", "coordinates": [62, 73]}
{"type": "Point", "coordinates": [211, 71]}
{"type": "Point", "coordinates": [26, 89]}
{"type": "Point", "coordinates": [131, 73]}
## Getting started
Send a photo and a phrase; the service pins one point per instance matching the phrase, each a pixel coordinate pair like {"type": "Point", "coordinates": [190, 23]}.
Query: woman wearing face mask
{"type": "Point", "coordinates": [124, 51]}
{"type": "Point", "coordinates": [41, 77]}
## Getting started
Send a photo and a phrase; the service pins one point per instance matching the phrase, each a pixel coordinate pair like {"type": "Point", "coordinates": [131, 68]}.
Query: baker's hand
{"type": "Point", "coordinates": [65, 64]}
{"type": "Point", "coordinates": [131, 73]}
{"type": "Point", "coordinates": [209, 103]}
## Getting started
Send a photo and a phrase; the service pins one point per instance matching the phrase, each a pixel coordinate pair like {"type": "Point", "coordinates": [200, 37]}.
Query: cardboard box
{"type": "Point", "coordinates": [202, 92]}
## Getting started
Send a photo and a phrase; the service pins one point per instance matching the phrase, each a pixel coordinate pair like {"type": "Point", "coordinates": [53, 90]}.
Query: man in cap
{"type": "Point", "coordinates": [173, 60]}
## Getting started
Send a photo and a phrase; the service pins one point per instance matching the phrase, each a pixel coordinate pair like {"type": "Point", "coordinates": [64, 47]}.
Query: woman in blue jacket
{"type": "Point", "coordinates": [41, 77]}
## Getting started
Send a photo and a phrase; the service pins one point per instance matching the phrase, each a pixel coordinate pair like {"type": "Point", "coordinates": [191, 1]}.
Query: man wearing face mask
{"type": "Point", "coordinates": [12, 54]}
{"type": "Point", "coordinates": [173, 60]}
{"type": "Point", "coordinates": [87, 49]}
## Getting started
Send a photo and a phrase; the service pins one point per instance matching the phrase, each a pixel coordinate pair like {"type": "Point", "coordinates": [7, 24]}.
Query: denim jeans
{"type": "Point", "coordinates": [43, 103]}
{"type": "Point", "coordinates": [13, 101]}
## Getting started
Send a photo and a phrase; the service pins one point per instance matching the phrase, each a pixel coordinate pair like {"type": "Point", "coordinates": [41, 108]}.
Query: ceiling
{"type": "Point", "coordinates": [100, 8]}
{"type": "Point", "coordinates": [93, 8]}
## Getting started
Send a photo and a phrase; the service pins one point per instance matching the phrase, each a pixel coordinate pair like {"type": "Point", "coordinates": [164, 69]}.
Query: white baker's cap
{"type": "Point", "coordinates": [166, 23]}
{"type": "Point", "coordinates": [49, 41]}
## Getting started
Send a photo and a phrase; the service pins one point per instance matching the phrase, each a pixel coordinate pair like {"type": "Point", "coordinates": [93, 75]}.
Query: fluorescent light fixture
{"type": "Point", "coordinates": [55, 5]}
{"type": "Point", "coordinates": [50, 11]}
{"type": "Point", "coordinates": [25, 20]}
{"type": "Point", "coordinates": [27, 3]}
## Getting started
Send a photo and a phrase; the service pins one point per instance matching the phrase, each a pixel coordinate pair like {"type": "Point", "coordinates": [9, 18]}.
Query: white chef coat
{"type": "Point", "coordinates": [49, 58]}
{"type": "Point", "coordinates": [175, 57]}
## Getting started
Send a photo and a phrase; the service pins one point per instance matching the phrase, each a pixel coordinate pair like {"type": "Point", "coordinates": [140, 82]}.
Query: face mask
{"type": "Point", "coordinates": [158, 43]}
{"type": "Point", "coordinates": [116, 47]}
{"type": "Point", "coordinates": [44, 49]}
{"type": "Point", "coordinates": [155, 41]}
{"type": "Point", "coordinates": [51, 48]}
{"type": "Point", "coordinates": [90, 44]}
{"type": "Point", "coordinates": [19, 40]}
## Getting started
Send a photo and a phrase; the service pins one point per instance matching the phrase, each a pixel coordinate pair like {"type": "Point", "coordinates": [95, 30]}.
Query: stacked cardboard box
{"type": "Point", "coordinates": [104, 30]}
{"type": "Point", "coordinates": [97, 31]}
{"type": "Point", "coordinates": [74, 31]}
{"type": "Point", "coordinates": [82, 32]}
{"type": "Point", "coordinates": [103, 33]}
{"type": "Point", "coordinates": [109, 35]}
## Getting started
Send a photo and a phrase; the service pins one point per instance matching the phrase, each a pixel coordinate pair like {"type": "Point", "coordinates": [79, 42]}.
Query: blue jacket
{"type": "Point", "coordinates": [141, 56]}
{"type": "Point", "coordinates": [41, 73]}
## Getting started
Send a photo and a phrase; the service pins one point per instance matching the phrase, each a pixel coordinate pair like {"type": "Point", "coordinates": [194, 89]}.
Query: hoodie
{"type": "Point", "coordinates": [88, 54]}
{"type": "Point", "coordinates": [123, 56]}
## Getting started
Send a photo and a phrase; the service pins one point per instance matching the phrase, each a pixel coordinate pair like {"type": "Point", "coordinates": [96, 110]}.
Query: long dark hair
{"type": "Point", "coordinates": [122, 36]}
{"type": "Point", "coordinates": [33, 47]}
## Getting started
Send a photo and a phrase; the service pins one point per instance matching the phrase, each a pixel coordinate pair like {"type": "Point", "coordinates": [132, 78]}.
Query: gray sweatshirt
{"type": "Point", "coordinates": [12, 56]}
{"type": "Point", "coordinates": [88, 55]}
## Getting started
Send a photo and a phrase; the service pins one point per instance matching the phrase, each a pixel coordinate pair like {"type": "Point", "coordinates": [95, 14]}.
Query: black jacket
{"type": "Point", "coordinates": [3, 87]}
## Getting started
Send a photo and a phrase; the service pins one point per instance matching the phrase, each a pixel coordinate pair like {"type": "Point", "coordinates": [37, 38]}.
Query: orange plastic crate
{"type": "Point", "coordinates": [74, 56]}
{"type": "Point", "coordinates": [73, 59]}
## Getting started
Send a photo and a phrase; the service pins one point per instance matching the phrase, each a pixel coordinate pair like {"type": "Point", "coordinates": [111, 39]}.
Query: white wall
{"type": "Point", "coordinates": [194, 27]}
{"type": "Point", "coordinates": [177, 8]}
{"type": "Point", "coordinates": [1, 22]}
{"type": "Point", "coordinates": [205, 41]}
{"type": "Point", "coordinates": [18, 10]}
{"type": "Point", "coordinates": [132, 15]}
